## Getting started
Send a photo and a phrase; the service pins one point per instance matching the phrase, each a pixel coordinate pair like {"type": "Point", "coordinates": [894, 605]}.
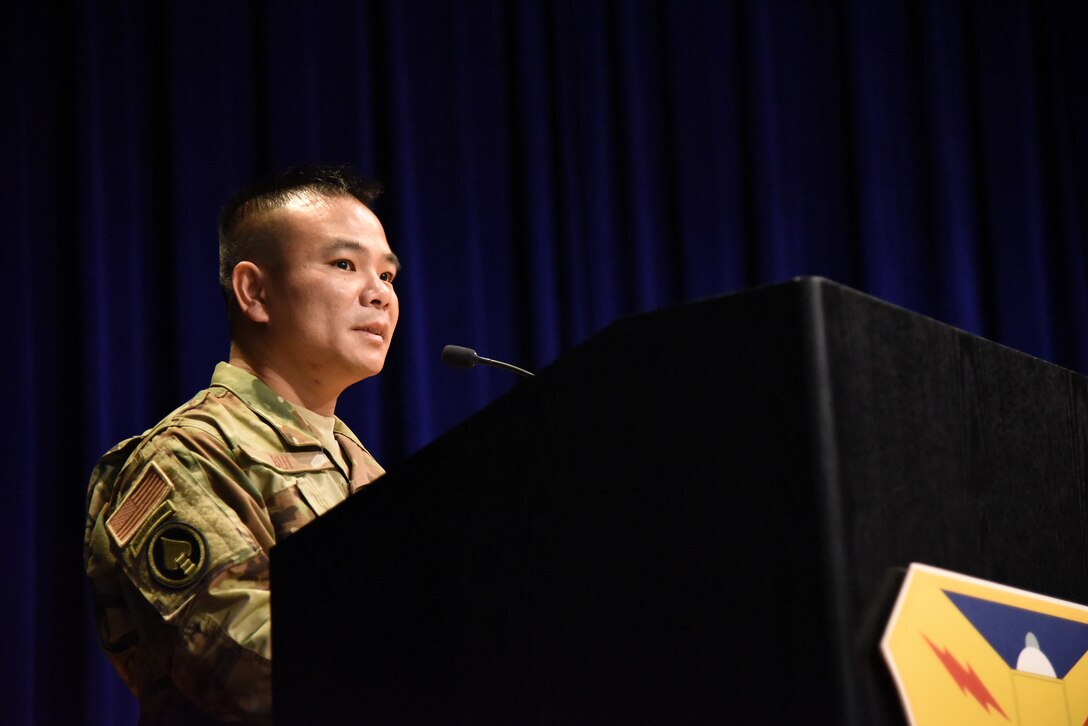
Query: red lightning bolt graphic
{"type": "Point", "coordinates": [966, 679]}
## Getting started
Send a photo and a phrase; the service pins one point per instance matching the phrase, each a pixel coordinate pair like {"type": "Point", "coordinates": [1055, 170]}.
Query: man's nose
{"type": "Point", "coordinates": [379, 293]}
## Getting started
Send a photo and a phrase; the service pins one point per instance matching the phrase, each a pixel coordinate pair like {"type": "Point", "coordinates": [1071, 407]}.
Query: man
{"type": "Point", "coordinates": [181, 518]}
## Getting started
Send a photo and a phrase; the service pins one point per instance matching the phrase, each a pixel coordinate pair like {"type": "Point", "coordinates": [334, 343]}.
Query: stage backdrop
{"type": "Point", "coordinates": [551, 166]}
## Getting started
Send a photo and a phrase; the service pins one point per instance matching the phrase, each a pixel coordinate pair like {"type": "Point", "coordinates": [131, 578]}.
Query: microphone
{"type": "Point", "coordinates": [459, 357]}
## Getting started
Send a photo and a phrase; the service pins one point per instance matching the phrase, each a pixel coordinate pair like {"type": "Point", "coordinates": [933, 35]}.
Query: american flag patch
{"type": "Point", "coordinates": [138, 505]}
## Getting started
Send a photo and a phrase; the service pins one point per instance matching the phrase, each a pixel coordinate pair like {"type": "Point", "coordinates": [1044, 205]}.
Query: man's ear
{"type": "Point", "coordinates": [249, 283]}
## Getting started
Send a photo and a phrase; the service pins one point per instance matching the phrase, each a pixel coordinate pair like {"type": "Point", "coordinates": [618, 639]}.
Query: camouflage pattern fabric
{"type": "Point", "coordinates": [180, 521]}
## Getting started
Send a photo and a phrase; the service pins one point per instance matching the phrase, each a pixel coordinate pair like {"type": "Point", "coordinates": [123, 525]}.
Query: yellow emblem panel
{"type": "Point", "coordinates": [963, 651]}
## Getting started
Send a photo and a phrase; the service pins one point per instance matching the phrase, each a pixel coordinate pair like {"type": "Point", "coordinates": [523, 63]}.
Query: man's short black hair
{"type": "Point", "coordinates": [240, 241]}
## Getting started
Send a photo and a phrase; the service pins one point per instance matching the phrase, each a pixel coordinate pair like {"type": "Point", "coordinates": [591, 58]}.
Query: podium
{"type": "Point", "coordinates": [697, 516]}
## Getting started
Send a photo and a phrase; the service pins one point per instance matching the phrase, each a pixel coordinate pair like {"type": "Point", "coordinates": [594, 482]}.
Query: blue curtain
{"type": "Point", "coordinates": [551, 166]}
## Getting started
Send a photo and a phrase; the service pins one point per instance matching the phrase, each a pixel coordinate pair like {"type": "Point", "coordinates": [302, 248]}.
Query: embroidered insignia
{"type": "Point", "coordinates": [138, 505]}
{"type": "Point", "coordinates": [176, 554]}
{"type": "Point", "coordinates": [291, 461]}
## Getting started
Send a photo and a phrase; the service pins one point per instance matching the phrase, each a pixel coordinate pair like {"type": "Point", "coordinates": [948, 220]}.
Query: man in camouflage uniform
{"type": "Point", "coordinates": [181, 518]}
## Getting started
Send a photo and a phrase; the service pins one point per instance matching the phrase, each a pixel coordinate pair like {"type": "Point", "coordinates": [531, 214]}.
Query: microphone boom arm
{"type": "Point", "coordinates": [505, 366]}
{"type": "Point", "coordinates": [461, 357]}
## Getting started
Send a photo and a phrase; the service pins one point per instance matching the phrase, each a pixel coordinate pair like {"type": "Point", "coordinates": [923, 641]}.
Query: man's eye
{"type": "Point", "coordinates": [344, 264]}
{"type": "Point", "coordinates": [387, 276]}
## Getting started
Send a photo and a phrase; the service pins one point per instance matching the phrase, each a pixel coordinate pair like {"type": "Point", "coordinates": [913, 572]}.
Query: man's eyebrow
{"type": "Point", "coordinates": [347, 244]}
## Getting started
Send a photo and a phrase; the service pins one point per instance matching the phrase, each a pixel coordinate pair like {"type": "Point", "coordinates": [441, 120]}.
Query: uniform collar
{"type": "Point", "coordinates": [280, 414]}
{"type": "Point", "coordinates": [269, 405]}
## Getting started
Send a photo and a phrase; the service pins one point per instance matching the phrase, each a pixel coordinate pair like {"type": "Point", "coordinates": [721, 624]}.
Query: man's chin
{"type": "Point", "coordinates": [368, 369]}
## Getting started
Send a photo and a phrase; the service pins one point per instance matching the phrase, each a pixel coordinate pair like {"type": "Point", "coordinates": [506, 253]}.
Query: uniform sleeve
{"type": "Point", "coordinates": [192, 540]}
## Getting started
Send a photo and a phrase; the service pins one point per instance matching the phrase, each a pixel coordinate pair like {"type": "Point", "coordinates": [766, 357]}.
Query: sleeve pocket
{"type": "Point", "coordinates": [191, 536]}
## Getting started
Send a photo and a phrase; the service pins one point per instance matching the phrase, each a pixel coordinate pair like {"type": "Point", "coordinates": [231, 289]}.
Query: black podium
{"type": "Point", "coordinates": [695, 517]}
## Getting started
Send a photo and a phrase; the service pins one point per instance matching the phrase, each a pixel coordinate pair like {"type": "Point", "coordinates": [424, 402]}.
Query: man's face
{"type": "Point", "coordinates": [330, 299]}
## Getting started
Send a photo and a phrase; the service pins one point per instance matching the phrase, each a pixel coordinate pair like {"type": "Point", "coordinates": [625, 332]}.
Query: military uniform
{"type": "Point", "coordinates": [180, 522]}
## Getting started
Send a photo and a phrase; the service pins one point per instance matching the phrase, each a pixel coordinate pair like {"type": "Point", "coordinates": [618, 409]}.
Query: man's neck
{"type": "Point", "coordinates": [293, 389]}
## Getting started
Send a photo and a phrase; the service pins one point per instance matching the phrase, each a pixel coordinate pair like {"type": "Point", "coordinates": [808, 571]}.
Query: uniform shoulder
{"type": "Point", "coordinates": [118, 468]}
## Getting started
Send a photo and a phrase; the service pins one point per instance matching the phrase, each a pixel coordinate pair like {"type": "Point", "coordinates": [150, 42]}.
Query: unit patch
{"type": "Point", "coordinates": [964, 651]}
{"type": "Point", "coordinates": [176, 554]}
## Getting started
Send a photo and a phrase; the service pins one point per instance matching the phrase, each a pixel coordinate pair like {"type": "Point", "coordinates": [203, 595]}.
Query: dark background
{"type": "Point", "coordinates": [551, 166]}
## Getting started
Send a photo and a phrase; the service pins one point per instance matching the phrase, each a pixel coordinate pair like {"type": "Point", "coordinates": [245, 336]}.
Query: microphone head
{"type": "Point", "coordinates": [455, 355]}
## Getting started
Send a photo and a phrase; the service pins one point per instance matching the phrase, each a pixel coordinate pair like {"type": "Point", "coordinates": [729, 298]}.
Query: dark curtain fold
{"type": "Point", "coordinates": [551, 166]}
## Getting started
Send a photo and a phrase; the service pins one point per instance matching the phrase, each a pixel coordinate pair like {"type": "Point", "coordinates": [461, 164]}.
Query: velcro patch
{"type": "Point", "coordinates": [145, 496]}
{"type": "Point", "coordinates": [291, 460]}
